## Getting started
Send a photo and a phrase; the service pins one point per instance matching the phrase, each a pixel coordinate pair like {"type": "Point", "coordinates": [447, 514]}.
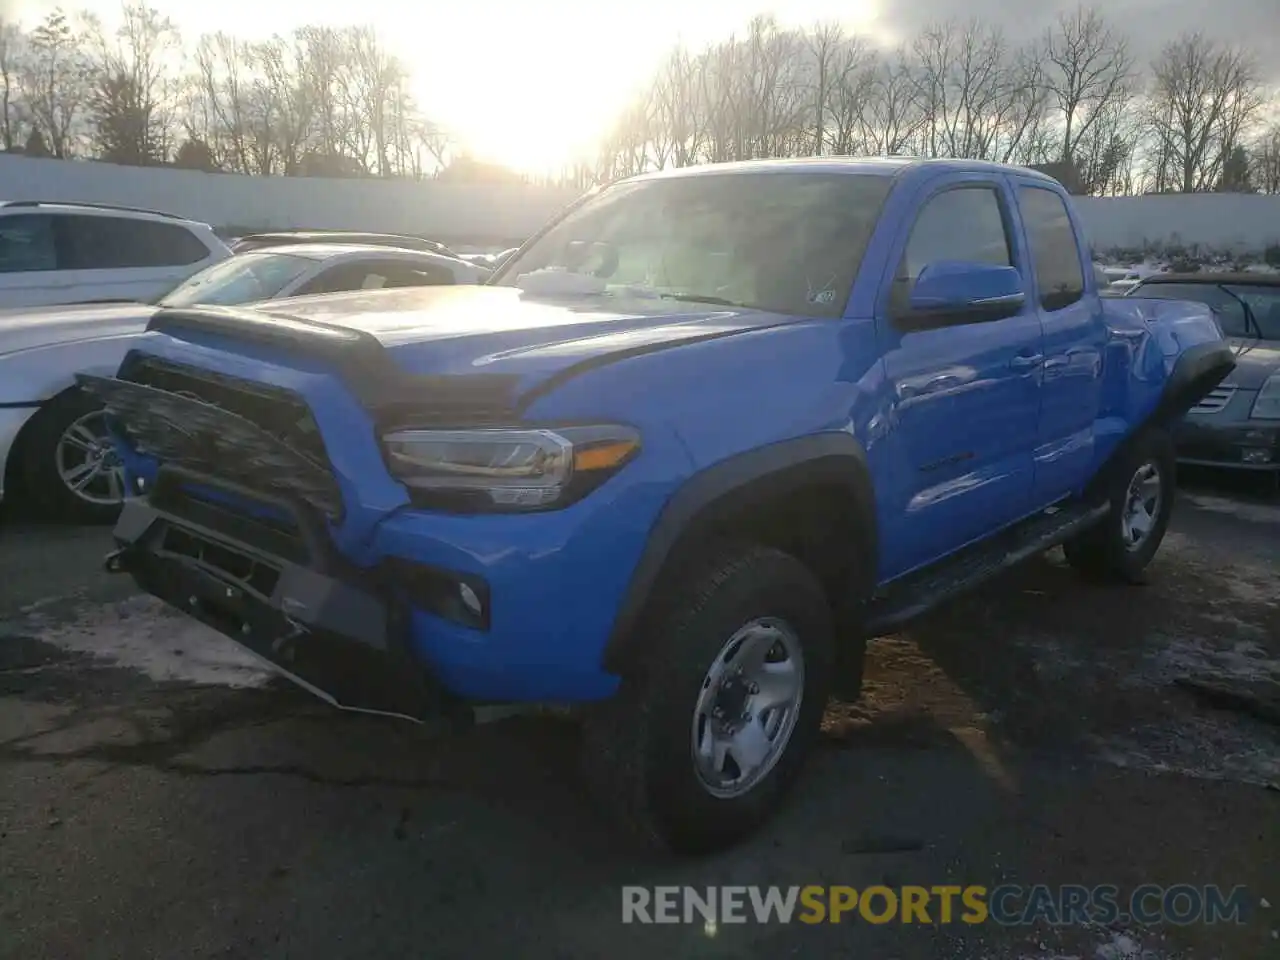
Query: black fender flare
{"type": "Point", "coordinates": [1197, 370]}
{"type": "Point", "coordinates": [729, 486]}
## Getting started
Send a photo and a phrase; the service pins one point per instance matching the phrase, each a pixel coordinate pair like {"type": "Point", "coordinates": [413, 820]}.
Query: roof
{"type": "Point", "coordinates": [319, 234]}
{"type": "Point", "coordinates": [882, 166]}
{"type": "Point", "coordinates": [1208, 276]}
{"type": "Point", "coordinates": [92, 206]}
{"type": "Point", "coordinates": [328, 251]}
{"type": "Point", "coordinates": [342, 236]}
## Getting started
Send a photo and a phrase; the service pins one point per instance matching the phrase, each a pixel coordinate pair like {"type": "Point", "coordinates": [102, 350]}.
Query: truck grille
{"type": "Point", "coordinates": [280, 412]}
{"type": "Point", "coordinates": [254, 437]}
{"type": "Point", "coordinates": [1215, 400]}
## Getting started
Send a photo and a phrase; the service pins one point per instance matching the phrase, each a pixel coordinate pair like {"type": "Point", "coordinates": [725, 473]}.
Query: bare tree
{"type": "Point", "coordinates": [280, 106]}
{"type": "Point", "coordinates": [1266, 160]}
{"type": "Point", "coordinates": [135, 92]}
{"type": "Point", "coordinates": [10, 51]}
{"type": "Point", "coordinates": [1203, 97]}
{"type": "Point", "coordinates": [221, 89]}
{"type": "Point", "coordinates": [56, 82]}
{"type": "Point", "coordinates": [977, 97]}
{"type": "Point", "coordinates": [825, 48]}
{"type": "Point", "coordinates": [677, 109]}
{"type": "Point", "coordinates": [1089, 75]}
{"type": "Point", "coordinates": [1103, 157]}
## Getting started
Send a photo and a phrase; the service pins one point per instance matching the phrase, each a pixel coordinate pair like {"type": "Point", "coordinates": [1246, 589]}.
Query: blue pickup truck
{"type": "Point", "coordinates": [694, 443]}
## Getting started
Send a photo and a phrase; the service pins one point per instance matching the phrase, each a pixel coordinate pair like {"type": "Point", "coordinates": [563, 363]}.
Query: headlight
{"type": "Point", "coordinates": [1267, 404]}
{"type": "Point", "coordinates": [514, 469]}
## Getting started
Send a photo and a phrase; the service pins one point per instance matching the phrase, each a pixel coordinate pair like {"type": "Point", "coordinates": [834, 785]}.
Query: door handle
{"type": "Point", "coordinates": [1026, 361]}
{"type": "Point", "coordinates": [932, 385]}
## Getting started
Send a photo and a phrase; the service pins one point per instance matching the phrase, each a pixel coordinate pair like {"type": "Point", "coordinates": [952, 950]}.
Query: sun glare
{"type": "Point", "coordinates": [531, 84]}
{"type": "Point", "coordinates": [535, 86]}
{"type": "Point", "coordinates": [539, 86]}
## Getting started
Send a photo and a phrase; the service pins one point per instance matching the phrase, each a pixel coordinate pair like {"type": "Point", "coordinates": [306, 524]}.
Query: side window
{"type": "Point", "coordinates": [966, 223]}
{"type": "Point", "coordinates": [376, 275]}
{"type": "Point", "coordinates": [1054, 250]}
{"type": "Point", "coordinates": [400, 274]}
{"type": "Point", "coordinates": [344, 276]}
{"type": "Point", "coordinates": [27, 244]}
{"type": "Point", "coordinates": [112, 243]}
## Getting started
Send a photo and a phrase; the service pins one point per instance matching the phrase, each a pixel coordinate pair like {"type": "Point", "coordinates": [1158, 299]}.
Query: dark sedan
{"type": "Point", "coordinates": [1238, 424]}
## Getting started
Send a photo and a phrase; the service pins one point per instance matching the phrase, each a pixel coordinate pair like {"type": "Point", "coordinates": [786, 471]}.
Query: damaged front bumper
{"type": "Point", "coordinates": [334, 633]}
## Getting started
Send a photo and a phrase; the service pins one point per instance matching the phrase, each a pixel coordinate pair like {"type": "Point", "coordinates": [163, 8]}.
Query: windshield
{"type": "Point", "coordinates": [244, 278]}
{"type": "Point", "coordinates": [787, 242]}
{"type": "Point", "coordinates": [1244, 310]}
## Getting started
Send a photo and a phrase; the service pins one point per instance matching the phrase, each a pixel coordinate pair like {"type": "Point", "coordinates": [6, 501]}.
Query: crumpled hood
{"type": "Point", "coordinates": [1255, 361]}
{"type": "Point", "coordinates": [27, 328]}
{"type": "Point", "coordinates": [459, 330]}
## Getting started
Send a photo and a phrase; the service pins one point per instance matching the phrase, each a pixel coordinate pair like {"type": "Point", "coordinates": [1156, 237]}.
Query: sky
{"type": "Point", "coordinates": [531, 83]}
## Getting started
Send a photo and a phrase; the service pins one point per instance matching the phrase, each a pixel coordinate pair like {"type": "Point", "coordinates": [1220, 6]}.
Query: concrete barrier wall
{"type": "Point", "coordinates": [459, 213]}
{"type": "Point", "coordinates": [1223, 222]}
{"type": "Point", "coordinates": [499, 215]}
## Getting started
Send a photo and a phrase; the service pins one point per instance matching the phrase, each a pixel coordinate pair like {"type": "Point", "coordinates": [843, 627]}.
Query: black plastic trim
{"type": "Point", "coordinates": [337, 634]}
{"type": "Point", "coordinates": [1197, 371]}
{"type": "Point", "coordinates": [360, 358]}
{"type": "Point", "coordinates": [733, 484]}
{"type": "Point", "coordinates": [300, 541]}
{"type": "Point", "coordinates": [913, 321]}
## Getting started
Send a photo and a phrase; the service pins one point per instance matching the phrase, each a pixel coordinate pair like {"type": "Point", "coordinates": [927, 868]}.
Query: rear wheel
{"type": "Point", "coordinates": [704, 739]}
{"type": "Point", "coordinates": [1141, 494]}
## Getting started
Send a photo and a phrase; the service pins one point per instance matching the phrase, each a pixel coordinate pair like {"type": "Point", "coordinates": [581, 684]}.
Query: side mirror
{"type": "Point", "coordinates": [960, 291]}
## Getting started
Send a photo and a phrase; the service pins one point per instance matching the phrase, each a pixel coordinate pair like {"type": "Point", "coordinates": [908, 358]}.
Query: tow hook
{"type": "Point", "coordinates": [116, 561]}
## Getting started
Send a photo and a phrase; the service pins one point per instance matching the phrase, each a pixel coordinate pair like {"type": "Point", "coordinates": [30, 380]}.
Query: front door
{"type": "Point", "coordinates": [965, 398]}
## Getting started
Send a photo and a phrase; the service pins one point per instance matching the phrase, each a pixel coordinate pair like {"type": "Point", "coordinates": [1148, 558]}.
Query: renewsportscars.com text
{"type": "Point", "coordinates": [1007, 905]}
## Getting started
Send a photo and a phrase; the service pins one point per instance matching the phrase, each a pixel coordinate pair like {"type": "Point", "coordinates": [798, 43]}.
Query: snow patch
{"type": "Point", "coordinates": [1121, 946]}
{"type": "Point", "coordinates": [141, 634]}
{"type": "Point", "coordinates": [1239, 660]}
{"type": "Point", "coordinates": [1241, 510]}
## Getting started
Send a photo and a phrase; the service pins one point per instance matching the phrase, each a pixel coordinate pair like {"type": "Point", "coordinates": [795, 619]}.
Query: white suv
{"type": "Point", "coordinates": [63, 252]}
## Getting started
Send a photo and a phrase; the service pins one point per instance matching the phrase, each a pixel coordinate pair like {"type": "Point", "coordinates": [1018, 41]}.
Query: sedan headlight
{"type": "Point", "coordinates": [1267, 404]}
{"type": "Point", "coordinates": [511, 469]}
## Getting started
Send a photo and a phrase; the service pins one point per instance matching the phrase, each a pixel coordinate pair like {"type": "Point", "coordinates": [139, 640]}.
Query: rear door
{"type": "Point", "coordinates": [966, 396]}
{"type": "Point", "coordinates": [1075, 337]}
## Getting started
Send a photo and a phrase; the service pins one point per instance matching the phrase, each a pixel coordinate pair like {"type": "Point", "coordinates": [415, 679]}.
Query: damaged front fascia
{"type": "Point", "coordinates": [389, 393]}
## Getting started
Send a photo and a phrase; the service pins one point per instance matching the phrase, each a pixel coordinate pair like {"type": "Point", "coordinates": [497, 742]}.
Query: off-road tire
{"type": "Point", "coordinates": [637, 749]}
{"type": "Point", "coordinates": [40, 485]}
{"type": "Point", "coordinates": [1099, 554]}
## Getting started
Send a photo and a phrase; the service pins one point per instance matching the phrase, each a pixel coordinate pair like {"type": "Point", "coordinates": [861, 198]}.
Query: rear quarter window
{"type": "Point", "coordinates": [111, 243]}
{"type": "Point", "coordinates": [1055, 253]}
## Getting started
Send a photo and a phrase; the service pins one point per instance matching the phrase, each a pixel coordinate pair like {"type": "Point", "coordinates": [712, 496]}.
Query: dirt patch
{"type": "Point", "coordinates": [1041, 661]}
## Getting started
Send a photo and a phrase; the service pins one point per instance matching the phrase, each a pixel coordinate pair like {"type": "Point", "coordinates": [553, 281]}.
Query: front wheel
{"type": "Point", "coordinates": [70, 469]}
{"type": "Point", "coordinates": [703, 741]}
{"type": "Point", "coordinates": [1142, 484]}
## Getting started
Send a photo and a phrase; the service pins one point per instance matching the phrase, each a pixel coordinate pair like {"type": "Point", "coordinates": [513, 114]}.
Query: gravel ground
{"type": "Point", "coordinates": [161, 797]}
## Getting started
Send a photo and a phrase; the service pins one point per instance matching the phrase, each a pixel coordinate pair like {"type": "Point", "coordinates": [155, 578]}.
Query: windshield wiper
{"type": "Point", "coordinates": [700, 298]}
{"type": "Point", "coordinates": [1249, 319]}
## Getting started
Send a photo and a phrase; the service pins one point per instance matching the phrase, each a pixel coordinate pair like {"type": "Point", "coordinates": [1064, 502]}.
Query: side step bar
{"type": "Point", "coordinates": [919, 592]}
